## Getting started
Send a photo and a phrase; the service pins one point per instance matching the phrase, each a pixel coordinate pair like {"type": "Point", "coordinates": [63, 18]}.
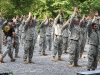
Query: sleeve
{"type": "Point", "coordinates": [71, 22]}
{"type": "Point", "coordinates": [13, 30]}
{"type": "Point", "coordinates": [56, 19]}
{"type": "Point", "coordinates": [89, 28]}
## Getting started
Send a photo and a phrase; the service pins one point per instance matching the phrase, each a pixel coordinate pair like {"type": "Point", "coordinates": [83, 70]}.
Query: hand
{"type": "Point", "coordinates": [90, 15]}
{"type": "Point", "coordinates": [96, 13]}
{"type": "Point", "coordinates": [30, 14]}
{"type": "Point", "coordinates": [84, 17]}
{"type": "Point", "coordinates": [3, 43]}
{"type": "Point", "coordinates": [75, 9]}
{"type": "Point", "coordinates": [61, 12]}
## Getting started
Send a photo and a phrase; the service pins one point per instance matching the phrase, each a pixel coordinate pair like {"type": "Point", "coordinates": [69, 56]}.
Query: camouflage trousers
{"type": "Point", "coordinates": [42, 44]}
{"type": "Point", "coordinates": [0, 40]}
{"type": "Point", "coordinates": [16, 46]}
{"type": "Point", "coordinates": [82, 46]}
{"type": "Point", "coordinates": [65, 44]}
{"type": "Point", "coordinates": [73, 51]}
{"type": "Point", "coordinates": [19, 36]}
{"type": "Point", "coordinates": [28, 49]}
{"type": "Point", "coordinates": [92, 57]}
{"type": "Point", "coordinates": [57, 46]}
{"type": "Point", "coordinates": [23, 38]}
{"type": "Point", "coordinates": [49, 42]}
{"type": "Point", "coordinates": [9, 48]}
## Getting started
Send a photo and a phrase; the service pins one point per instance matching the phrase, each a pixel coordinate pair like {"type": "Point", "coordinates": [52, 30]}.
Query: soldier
{"type": "Point", "coordinates": [35, 31]}
{"type": "Point", "coordinates": [58, 37]}
{"type": "Point", "coordinates": [29, 34]}
{"type": "Point", "coordinates": [94, 42]}
{"type": "Point", "coordinates": [48, 36]}
{"type": "Point", "coordinates": [65, 38]}
{"type": "Point", "coordinates": [42, 41]}
{"type": "Point", "coordinates": [23, 30]}
{"type": "Point", "coordinates": [1, 24]}
{"type": "Point", "coordinates": [74, 40]}
{"type": "Point", "coordinates": [16, 27]}
{"type": "Point", "coordinates": [97, 21]}
{"type": "Point", "coordinates": [82, 36]}
{"type": "Point", "coordinates": [9, 34]}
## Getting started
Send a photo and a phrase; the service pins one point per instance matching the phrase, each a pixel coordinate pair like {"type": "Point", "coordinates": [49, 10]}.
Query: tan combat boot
{"type": "Point", "coordinates": [13, 60]}
{"type": "Point", "coordinates": [60, 59]}
{"type": "Point", "coordinates": [45, 54]}
{"type": "Point", "coordinates": [25, 62]}
{"type": "Point", "coordinates": [0, 52]}
{"type": "Point", "coordinates": [70, 65]}
{"type": "Point", "coordinates": [30, 61]}
{"type": "Point", "coordinates": [53, 58]}
{"type": "Point", "coordinates": [16, 56]}
{"type": "Point", "coordinates": [1, 60]}
{"type": "Point", "coordinates": [40, 54]}
{"type": "Point", "coordinates": [76, 65]}
{"type": "Point", "coordinates": [81, 56]}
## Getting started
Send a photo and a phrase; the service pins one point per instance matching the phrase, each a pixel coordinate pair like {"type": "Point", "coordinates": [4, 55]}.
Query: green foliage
{"type": "Point", "coordinates": [43, 8]}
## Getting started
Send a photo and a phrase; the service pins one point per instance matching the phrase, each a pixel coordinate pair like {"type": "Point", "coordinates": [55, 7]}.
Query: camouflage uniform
{"type": "Point", "coordinates": [35, 32]}
{"type": "Point", "coordinates": [42, 41]}
{"type": "Point", "coordinates": [74, 42]}
{"type": "Point", "coordinates": [83, 36]}
{"type": "Point", "coordinates": [48, 37]}
{"type": "Point", "coordinates": [29, 34]}
{"type": "Point", "coordinates": [1, 24]}
{"type": "Point", "coordinates": [65, 38]}
{"type": "Point", "coordinates": [58, 36]}
{"type": "Point", "coordinates": [93, 50]}
{"type": "Point", "coordinates": [9, 46]}
{"type": "Point", "coordinates": [23, 33]}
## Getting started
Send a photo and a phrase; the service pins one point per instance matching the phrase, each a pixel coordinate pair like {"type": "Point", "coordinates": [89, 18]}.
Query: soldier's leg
{"type": "Point", "coordinates": [95, 59]}
{"type": "Point", "coordinates": [17, 48]}
{"type": "Point", "coordinates": [47, 41]}
{"type": "Point", "coordinates": [44, 46]}
{"type": "Point", "coordinates": [50, 43]}
{"type": "Point", "coordinates": [31, 52]}
{"type": "Point", "coordinates": [0, 42]}
{"type": "Point", "coordinates": [72, 49]}
{"type": "Point", "coordinates": [76, 55]}
{"type": "Point", "coordinates": [91, 57]}
{"type": "Point", "coordinates": [26, 51]}
{"type": "Point", "coordinates": [65, 44]}
{"type": "Point", "coordinates": [40, 45]}
{"type": "Point", "coordinates": [60, 50]}
{"type": "Point", "coordinates": [55, 50]}
{"type": "Point", "coordinates": [82, 46]}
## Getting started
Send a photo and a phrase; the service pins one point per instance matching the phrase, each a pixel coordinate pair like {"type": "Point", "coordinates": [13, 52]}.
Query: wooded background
{"type": "Point", "coordinates": [43, 8]}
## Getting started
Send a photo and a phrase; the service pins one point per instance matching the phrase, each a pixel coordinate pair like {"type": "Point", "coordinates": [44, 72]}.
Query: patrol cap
{"type": "Point", "coordinates": [10, 20]}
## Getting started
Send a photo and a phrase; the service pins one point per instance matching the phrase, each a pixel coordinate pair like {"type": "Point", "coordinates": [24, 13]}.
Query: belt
{"type": "Point", "coordinates": [58, 35]}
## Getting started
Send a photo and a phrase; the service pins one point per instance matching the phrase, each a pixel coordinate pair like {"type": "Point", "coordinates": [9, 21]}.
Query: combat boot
{"type": "Point", "coordinates": [99, 61]}
{"type": "Point", "coordinates": [0, 52]}
{"type": "Point", "coordinates": [30, 61]}
{"type": "Point", "coordinates": [70, 65]}
{"type": "Point", "coordinates": [60, 59]}
{"type": "Point", "coordinates": [16, 56]}
{"type": "Point", "coordinates": [1, 60]}
{"type": "Point", "coordinates": [45, 54]}
{"type": "Point", "coordinates": [25, 62]}
{"type": "Point", "coordinates": [13, 60]}
{"type": "Point", "coordinates": [76, 65]}
{"type": "Point", "coordinates": [53, 58]}
{"type": "Point", "coordinates": [81, 56]}
{"type": "Point", "coordinates": [40, 54]}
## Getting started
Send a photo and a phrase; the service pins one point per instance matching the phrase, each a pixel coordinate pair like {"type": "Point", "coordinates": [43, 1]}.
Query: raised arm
{"type": "Point", "coordinates": [28, 19]}
{"type": "Point", "coordinates": [72, 18]}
